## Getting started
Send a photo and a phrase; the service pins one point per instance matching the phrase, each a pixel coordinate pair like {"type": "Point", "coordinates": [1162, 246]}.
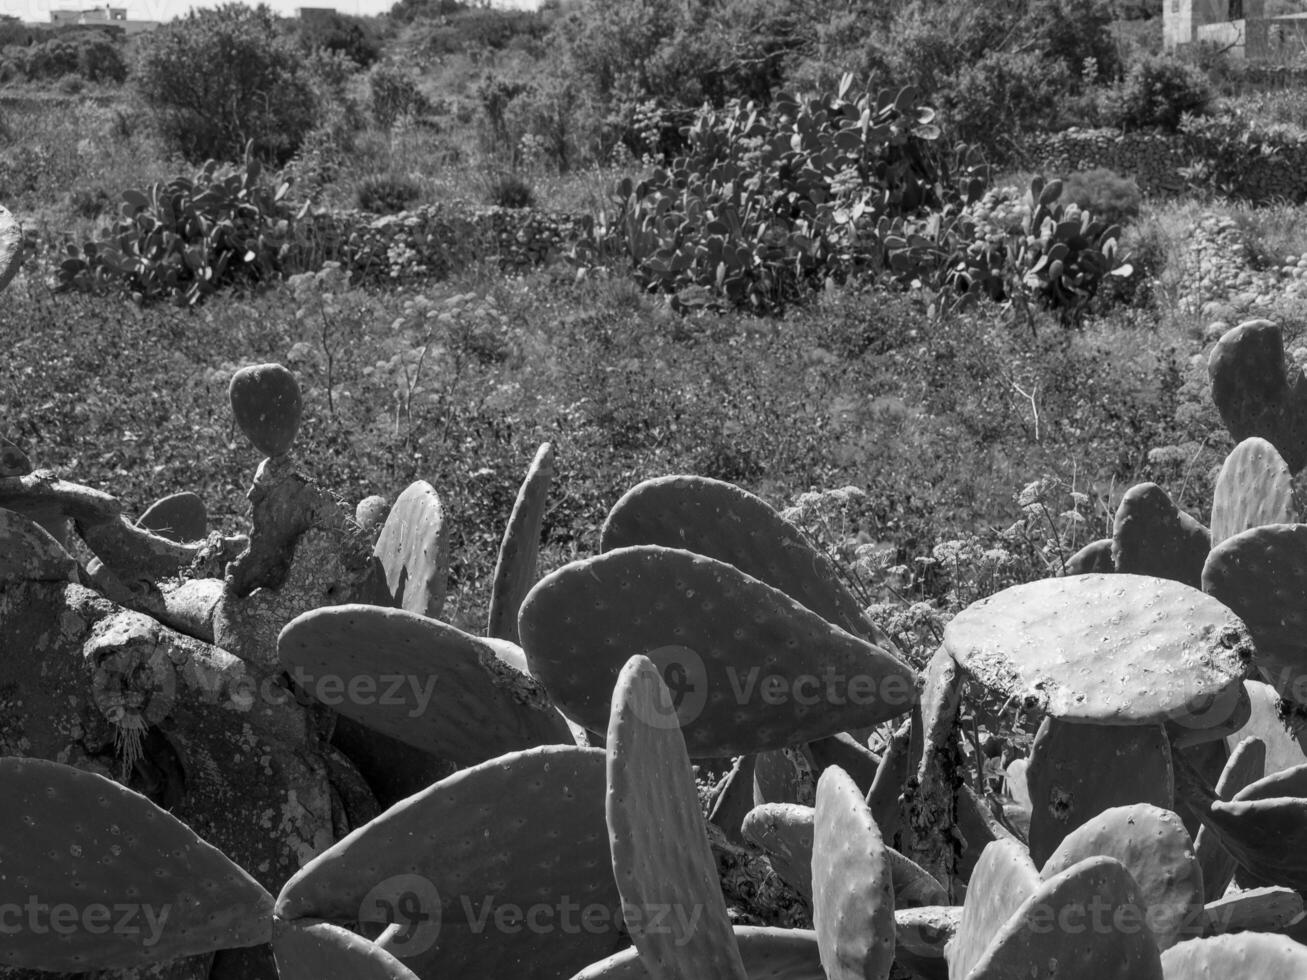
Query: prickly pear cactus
{"type": "Point", "coordinates": [1258, 391]}
{"type": "Point", "coordinates": [516, 569]}
{"type": "Point", "coordinates": [1152, 536]}
{"type": "Point", "coordinates": [11, 247]}
{"type": "Point", "coordinates": [1254, 488]}
{"type": "Point", "coordinates": [265, 400]}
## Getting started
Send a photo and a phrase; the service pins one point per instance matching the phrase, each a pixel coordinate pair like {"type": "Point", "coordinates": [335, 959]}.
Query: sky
{"type": "Point", "coordinates": [38, 11]}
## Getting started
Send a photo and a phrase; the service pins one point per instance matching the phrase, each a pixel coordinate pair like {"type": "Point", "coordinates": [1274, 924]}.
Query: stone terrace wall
{"type": "Point", "coordinates": [1155, 160]}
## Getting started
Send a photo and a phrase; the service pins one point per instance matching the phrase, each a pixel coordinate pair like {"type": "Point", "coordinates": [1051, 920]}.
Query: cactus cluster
{"type": "Point", "coordinates": [324, 779]}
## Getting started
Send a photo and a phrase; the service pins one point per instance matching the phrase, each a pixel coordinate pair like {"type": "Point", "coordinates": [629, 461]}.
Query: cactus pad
{"type": "Point", "coordinates": [1265, 829]}
{"type": "Point", "coordinates": [853, 894]}
{"type": "Point", "coordinates": [1086, 923]}
{"type": "Point", "coordinates": [1003, 879]}
{"type": "Point", "coordinates": [414, 550]}
{"type": "Point", "coordinates": [1152, 536]}
{"type": "Point", "coordinates": [1155, 848]}
{"type": "Point", "coordinates": [108, 880]}
{"type": "Point", "coordinates": [1106, 649]}
{"type": "Point", "coordinates": [723, 521]}
{"type": "Point", "coordinates": [1254, 488]}
{"type": "Point", "coordinates": [1093, 557]}
{"type": "Point", "coordinates": [752, 669]}
{"type": "Point", "coordinates": [1078, 771]}
{"type": "Point", "coordinates": [179, 516]}
{"type": "Point", "coordinates": [521, 831]}
{"type": "Point", "coordinates": [664, 866]}
{"type": "Point", "coordinates": [1253, 910]}
{"type": "Point", "coordinates": [418, 680]}
{"type": "Point", "coordinates": [1259, 391]}
{"type": "Point", "coordinates": [517, 567]}
{"type": "Point", "coordinates": [1247, 954]}
{"type": "Point", "coordinates": [769, 953]}
{"type": "Point", "coordinates": [1247, 764]}
{"type": "Point", "coordinates": [1261, 574]}
{"type": "Point", "coordinates": [307, 950]}
{"type": "Point", "coordinates": [265, 399]}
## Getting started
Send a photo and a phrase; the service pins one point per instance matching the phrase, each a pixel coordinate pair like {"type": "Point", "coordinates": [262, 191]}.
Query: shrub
{"type": "Point", "coordinates": [511, 191]}
{"type": "Point", "coordinates": [1157, 91]}
{"type": "Point", "coordinates": [221, 77]}
{"type": "Point", "coordinates": [1108, 195]}
{"type": "Point", "coordinates": [387, 193]}
{"type": "Point", "coordinates": [341, 34]}
{"type": "Point", "coordinates": [94, 56]}
{"type": "Point", "coordinates": [392, 93]}
{"type": "Point", "coordinates": [1004, 95]}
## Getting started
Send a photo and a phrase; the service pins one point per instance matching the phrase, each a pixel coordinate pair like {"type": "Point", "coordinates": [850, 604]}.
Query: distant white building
{"type": "Point", "coordinates": [102, 16]}
{"type": "Point", "coordinates": [1241, 27]}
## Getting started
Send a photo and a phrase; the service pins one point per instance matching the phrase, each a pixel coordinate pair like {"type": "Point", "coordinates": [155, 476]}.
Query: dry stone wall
{"type": "Point", "coordinates": [1260, 171]}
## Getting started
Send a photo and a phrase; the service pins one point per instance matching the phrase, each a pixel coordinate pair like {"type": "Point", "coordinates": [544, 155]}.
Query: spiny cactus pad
{"type": "Point", "coordinates": [516, 568]}
{"type": "Point", "coordinates": [853, 897]}
{"type": "Point", "coordinates": [769, 953]}
{"type": "Point", "coordinates": [1155, 848]}
{"type": "Point", "coordinates": [1254, 488]}
{"type": "Point", "coordinates": [1083, 924]}
{"type": "Point", "coordinates": [414, 550]}
{"type": "Point", "coordinates": [664, 866]}
{"type": "Point", "coordinates": [1105, 649]}
{"type": "Point", "coordinates": [726, 522]}
{"type": "Point", "coordinates": [1259, 391]}
{"type": "Point", "coordinates": [1254, 910]}
{"type": "Point", "coordinates": [1003, 879]}
{"type": "Point", "coordinates": [1261, 574]}
{"type": "Point", "coordinates": [1093, 557]}
{"type": "Point", "coordinates": [1152, 536]}
{"type": "Point", "coordinates": [752, 669]}
{"type": "Point", "coordinates": [419, 680]}
{"type": "Point", "coordinates": [785, 831]}
{"type": "Point", "coordinates": [179, 516]}
{"type": "Point", "coordinates": [308, 950]}
{"type": "Point", "coordinates": [522, 832]}
{"type": "Point", "coordinates": [1248, 954]}
{"type": "Point", "coordinates": [1247, 764]}
{"type": "Point", "coordinates": [1285, 736]}
{"type": "Point", "coordinates": [105, 879]}
{"type": "Point", "coordinates": [265, 399]}
{"type": "Point", "coordinates": [1078, 771]}
{"type": "Point", "coordinates": [1265, 828]}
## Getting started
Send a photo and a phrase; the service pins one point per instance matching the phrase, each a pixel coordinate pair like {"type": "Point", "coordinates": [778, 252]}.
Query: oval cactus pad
{"type": "Point", "coordinates": [458, 866]}
{"type": "Point", "coordinates": [1247, 954]}
{"type": "Point", "coordinates": [749, 667]}
{"type": "Point", "coordinates": [665, 869]}
{"type": "Point", "coordinates": [413, 548]}
{"type": "Point", "coordinates": [1104, 649]}
{"type": "Point", "coordinates": [1261, 574]}
{"type": "Point", "coordinates": [419, 680]}
{"type": "Point", "coordinates": [1155, 848]}
{"type": "Point", "coordinates": [265, 399]}
{"type": "Point", "coordinates": [852, 892]}
{"type": "Point", "coordinates": [726, 522]}
{"type": "Point", "coordinates": [1003, 879]}
{"type": "Point", "coordinates": [519, 552]}
{"type": "Point", "coordinates": [1254, 488]}
{"type": "Point", "coordinates": [1087, 923]}
{"type": "Point", "coordinates": [104, 879]}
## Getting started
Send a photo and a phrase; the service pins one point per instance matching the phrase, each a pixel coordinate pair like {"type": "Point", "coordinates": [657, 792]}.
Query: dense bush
{"type": "Point", "coordinates": [993, 102]}
{"type": "Point", "coordinates": [350, 36]}
{"type": "Point", "coordinates": [220, 77]}
{"type": "Point", "coordinates": [387, 193]}
{"type": "Point", "coordinates": [392, 94]}
{"type": "Point", "coordinates": [511, 191]}
{"type": "Point", "coordinates": [1157, 91]}
{"type": "Point", "coordinates": [1111, 196]}
{"type": "Point", "coordinates": [93, 55]}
